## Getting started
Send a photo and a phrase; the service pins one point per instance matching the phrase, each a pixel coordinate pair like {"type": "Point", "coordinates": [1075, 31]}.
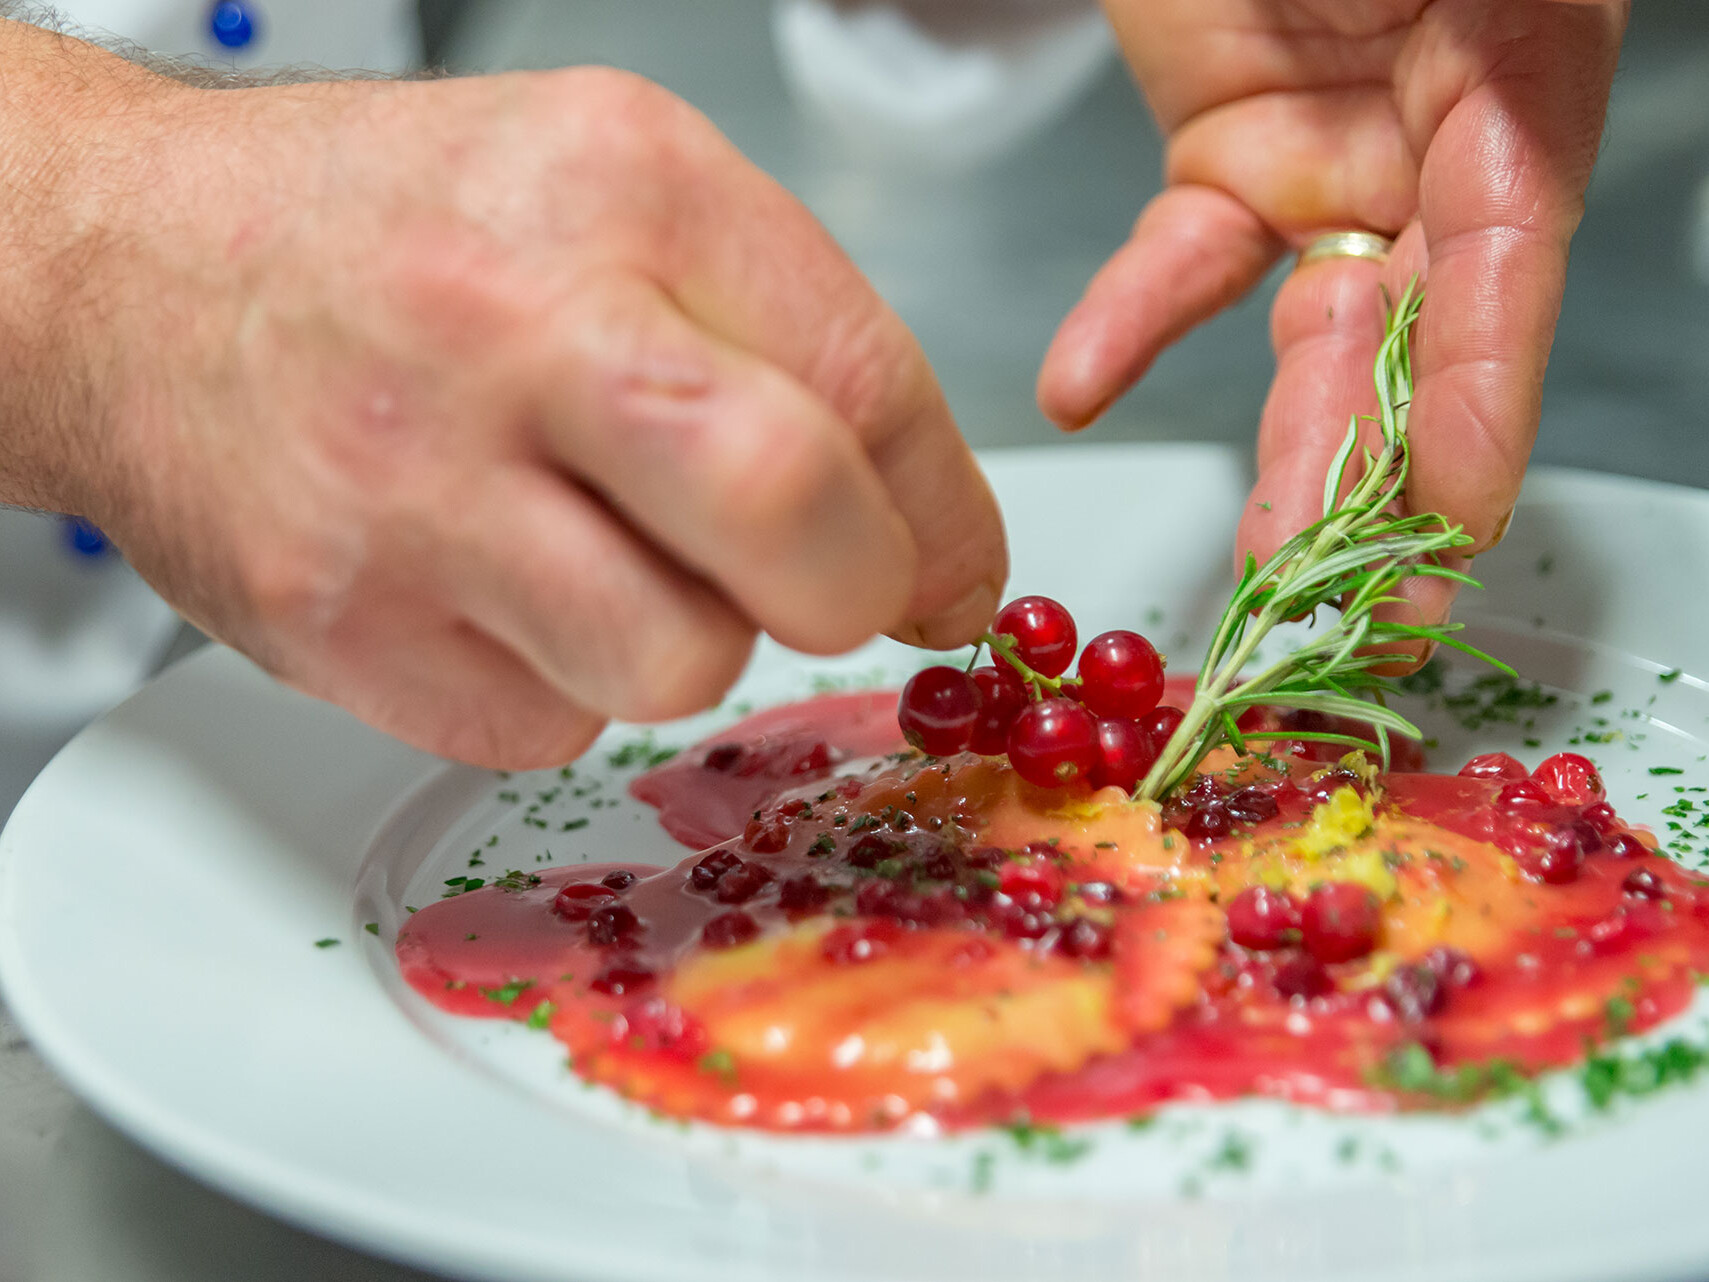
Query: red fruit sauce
{"type": "Point", "coordinates": [865, 936]}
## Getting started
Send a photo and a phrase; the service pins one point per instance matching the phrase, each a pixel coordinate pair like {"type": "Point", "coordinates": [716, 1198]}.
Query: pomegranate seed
{"type": "Point", "coordinates": [723, 758]}
{"type": "Point", "coordinates": [1301, 976]}
{"type": "Point", "coordinates": [1340, 921]}
{"type": "Point", "coordinates": [801, 894]}
{"type": "Point", "coordinates": [1494, 765]}
{"type": "Point", "coordinates": [619, 880]}
{"type": "Point", "coordinates": [1044, 633]}
{"type": "Point", "coordinates": [621, 977]}
{"type": "Point", "coordinates": [1120, 675]}
{"type": "Point", "coordinates": [742, 883]}
{"type": "Point", "coordinates": [1002, 695]}
{"type": "Point", "coordinates": [1086, 939]}
{"type": "Point", "coordinates": [766, 835]}
{"type": "Point", "coordinates": [1054, 742]}
{"type": "Point", "coordinates": [1415, 993]}
{"type": "Point", "coordinates": [1162, 722]}
{"type": "Point", "coordinates": [1626, 846]}
{"type": "Point", "coordinates": [939, 710]}
{"type": "Point", "coordinates": [1125, 753]}
{"type": "Point", "coordinates": [705, 874]}
{"type": "Point", "coordinates": [577, 901]}
{"type": "Point", "coordinates": [726, 930]}
{"type": "Point", "coordinates": [1453, 967]}
{"type": "Point", "coordinates": [1570, 778]}
{"type": "Point", "coordinates": [1261, 919]}
{"type": "Point", "coordinates": [1522, 794]}
{"type": "Point", "coordinates": [611, 924]}
{"type": "Point", "coordinates": [1589, 838]}
{"type": "Point", "coordinates": [1642, 883]}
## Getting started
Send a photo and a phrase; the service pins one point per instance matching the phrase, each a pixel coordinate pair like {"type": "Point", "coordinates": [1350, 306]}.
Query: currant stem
{"type": "Point", "coordinates": [1002, 646]}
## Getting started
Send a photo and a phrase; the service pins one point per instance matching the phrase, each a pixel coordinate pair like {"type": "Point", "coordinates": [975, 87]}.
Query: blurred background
{"type": "Point", "coordinates": [979, 159]}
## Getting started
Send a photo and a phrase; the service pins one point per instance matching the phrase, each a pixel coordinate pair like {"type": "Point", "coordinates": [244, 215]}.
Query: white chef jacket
{"type": "Point", "coordinates": [379, 35]}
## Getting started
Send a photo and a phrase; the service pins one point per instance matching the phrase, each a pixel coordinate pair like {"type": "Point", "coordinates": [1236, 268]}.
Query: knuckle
{"type": "Point", "coordinates": [291, 584]}
{"type": "Point", "coordinates": [628, 122]}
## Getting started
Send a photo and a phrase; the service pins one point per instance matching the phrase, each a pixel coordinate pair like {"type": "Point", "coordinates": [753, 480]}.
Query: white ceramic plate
{"type": "Point", "coordinates": [163, 886]}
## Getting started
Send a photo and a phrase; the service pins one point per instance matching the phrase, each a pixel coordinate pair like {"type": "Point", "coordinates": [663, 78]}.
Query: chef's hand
{"type": "Point", "coordinates": [493, 408]}
{"type": "Point", "coordinates": [1466, 129]}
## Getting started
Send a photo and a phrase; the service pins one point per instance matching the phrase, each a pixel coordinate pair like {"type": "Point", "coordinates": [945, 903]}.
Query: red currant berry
{"type": "Point", "coordinates": [741, 883]}
{"type": "Point", "coordinates": [939, 709]}
{"type": "Point", "coordinates": [1453, 967]}
{"type": "Point", "coordinates": [621, 977]}
{"type": "Point", "coordinates": [654, 1024]}
{"type": "Point", "coordinates": [1340, 921]}
{"type": "Point", "coordinates": [1570, 779]}
{"type": "Point", "coordinates": [1641, 883]}
{"type": "Point", "coordinates": [1033, 885]}
{"type": "Point", "coordinates": [1161, 723]}
{"type": "Point", "coordinates": [1125, 753]}
{"type": "Point", "coordinates": [1002, 695]}
{"type": "Point", "coordinates": [1415, 993]}
{"type": "Point", "coordinates": [611, 924]}
{"type": "Point", "coordinates": [727, 930]}
{"type": "Point", "coordinates": [1626, 846]}
{"type": "Point", "coordinates": [1601, 817]}
{"type": "Point", "coordinates": [1261, 919]}
{"type": "Point", "coordinates": [1302, 976]}
{"type": "Point", "coordinates": [1493, 765]}
{"type": "Point", "coordinates": [1522, 794]}
{"type": "Point", "coordinates": [1054, 742]}
{"type": "Point", "coordinates": [1044, 633]}
{"type": "Point", "coordinates": [711, 869]}
{"type": "Point", "coordinates": [1120, 675]}
{"type": "Point", "coordinates": [576, 901]}
{"type": "Point", "coordinates": [1086, 939]}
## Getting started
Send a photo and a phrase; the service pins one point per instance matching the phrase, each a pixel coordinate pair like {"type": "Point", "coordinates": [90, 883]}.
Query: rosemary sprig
{"type": "Point", "coordinates": [1353, 558]}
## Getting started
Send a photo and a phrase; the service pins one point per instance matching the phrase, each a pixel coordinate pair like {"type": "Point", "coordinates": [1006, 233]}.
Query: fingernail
{"type": "Point", "coordinates": [957, 625]}
{"type": "Point", "coordinates": [1500, 530]}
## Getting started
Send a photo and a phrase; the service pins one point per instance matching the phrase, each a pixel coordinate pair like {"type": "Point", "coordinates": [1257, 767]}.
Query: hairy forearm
{"type": "Point", "coordinates": [69, 149]}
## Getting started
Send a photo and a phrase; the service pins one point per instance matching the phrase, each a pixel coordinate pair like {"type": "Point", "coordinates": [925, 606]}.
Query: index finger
{"type": "Point", "coordinates": [761, 273]}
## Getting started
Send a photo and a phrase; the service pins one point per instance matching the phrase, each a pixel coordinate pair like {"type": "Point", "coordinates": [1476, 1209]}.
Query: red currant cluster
{"type": "Point", "coordinates": [1104, 726]}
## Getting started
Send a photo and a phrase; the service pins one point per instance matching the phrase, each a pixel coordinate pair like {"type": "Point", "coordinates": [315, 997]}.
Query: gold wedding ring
{"type": "Point", "coordinates": [1346, 244]}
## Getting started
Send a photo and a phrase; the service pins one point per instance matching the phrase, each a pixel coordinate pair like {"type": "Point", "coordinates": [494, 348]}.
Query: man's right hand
{"type": "Point", "coordinates": [489, 408]}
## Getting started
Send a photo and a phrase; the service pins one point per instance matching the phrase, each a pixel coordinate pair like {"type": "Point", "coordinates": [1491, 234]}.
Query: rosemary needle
{"type": "Point", "coordinates": [1352, 559]}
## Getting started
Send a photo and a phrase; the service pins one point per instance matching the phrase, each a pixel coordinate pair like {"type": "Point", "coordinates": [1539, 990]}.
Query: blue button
{"type": "Point", "coordinates": [232, 24]}
{"type": "Point", "coordinates": [84, 539]}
